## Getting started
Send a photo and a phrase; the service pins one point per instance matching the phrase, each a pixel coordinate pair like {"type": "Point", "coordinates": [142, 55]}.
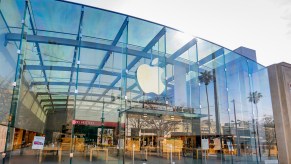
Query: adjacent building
{"type": "Point", "coordinates": [280, 85]}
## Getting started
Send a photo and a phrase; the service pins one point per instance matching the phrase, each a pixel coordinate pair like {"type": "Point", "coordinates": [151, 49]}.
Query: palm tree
{"type": "Point", "coordinates": [206, 77]}
{"type": "Point", "coordinates": [255, 97]}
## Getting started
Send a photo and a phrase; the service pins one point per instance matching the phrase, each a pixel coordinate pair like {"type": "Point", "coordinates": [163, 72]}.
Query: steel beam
{"type": "Point", "coordinates": [71, 42]}
{"type": "Point", "coordinates": [58, 105]}
{"type": "Point", "coordinates": [93, 45]}
{"type": "Point", "coordinates": [72, 83]}
{"type": "Point", "coordinates": [77, 106]}
{"type": "Point", "coordinates": [56, 100]}
{"type": "Point", "coordinates": [79, 84]}
{"type": "Point", "coordinates": [183, 49]}
{"type": "Point", "coordinates": [57, 108]}
{"type": "Point", "coordinates": [78, 39]}
{"type": "Point", "coordinates": [85, 70]}
{"type": "Point", "coordinates": [70, 93]}
{"type": "Point", "coordinates": [132, 86]}
{"type": "Point", "coordinates": [209, 57]}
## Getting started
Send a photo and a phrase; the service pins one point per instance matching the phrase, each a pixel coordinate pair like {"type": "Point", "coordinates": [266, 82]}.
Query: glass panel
{"type": "Point", "coordinates": [13, 9]}
{"type": "Point", "coordinates": [175, 41]}
{"type": "Point", "coordinates": [49, 22]}
{"type": "Point", "coordinates": [56, 55]}
{"type": "Point", "coordinates": [260, 99]}
{"type": "Point", "coordinates": [94, 30]}
{"type": "Point", "coordinates": [141, 32]}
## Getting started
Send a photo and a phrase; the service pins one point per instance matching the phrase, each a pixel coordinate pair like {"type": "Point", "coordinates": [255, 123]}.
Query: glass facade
{"type": "Point", "coordinates": [81, 84]}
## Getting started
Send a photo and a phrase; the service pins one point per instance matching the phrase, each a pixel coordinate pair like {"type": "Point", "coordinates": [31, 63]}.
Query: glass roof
{"type": "Point", "coordinates": [55, 30]}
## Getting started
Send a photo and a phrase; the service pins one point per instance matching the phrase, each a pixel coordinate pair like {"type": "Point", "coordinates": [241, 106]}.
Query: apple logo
{"type": "Point", "coordinates": [150, 77]}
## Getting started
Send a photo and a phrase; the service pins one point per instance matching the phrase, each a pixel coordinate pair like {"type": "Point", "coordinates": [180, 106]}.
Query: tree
{"type": "Point", "coordinates": [255, 97]}
{"type": "Point", "coordinates": [161, 125]}
{"type": "Point", "coordinates": [206, 77]}
{"type": "Point", "coordinates": [270, 135]}
{"type": "Point", "coordinates": [136, 122]}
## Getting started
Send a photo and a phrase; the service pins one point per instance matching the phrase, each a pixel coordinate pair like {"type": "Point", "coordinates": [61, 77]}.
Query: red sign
{"type": "Point", "coordinates": [96, 123]}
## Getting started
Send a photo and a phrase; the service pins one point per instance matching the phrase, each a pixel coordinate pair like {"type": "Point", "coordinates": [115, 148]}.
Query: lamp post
{"type": "Point", "coordinates": [102, 124]}
{"type": "Point", "coordinates": [236, 131]}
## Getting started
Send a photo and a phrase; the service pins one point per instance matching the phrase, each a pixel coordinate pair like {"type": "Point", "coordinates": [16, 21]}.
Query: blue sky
{"type": "Point", "coordinates": [262, 25]}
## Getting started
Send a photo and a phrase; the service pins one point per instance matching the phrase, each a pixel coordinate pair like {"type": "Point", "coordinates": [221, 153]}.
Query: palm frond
{"type": "Point", "coordinates": [255, 97]}
{"type": "Point", "coordinates": [205, 77]}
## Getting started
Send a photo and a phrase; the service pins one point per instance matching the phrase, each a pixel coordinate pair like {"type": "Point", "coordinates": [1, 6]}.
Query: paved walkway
{"type": "Point", "coordinates": [79, 158]}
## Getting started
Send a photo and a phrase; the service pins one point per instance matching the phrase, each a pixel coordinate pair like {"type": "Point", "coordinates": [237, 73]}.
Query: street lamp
{"type": "Point", "coordinates": [236, 131]}
{"type": "Point", "coordinates": [102, 123]}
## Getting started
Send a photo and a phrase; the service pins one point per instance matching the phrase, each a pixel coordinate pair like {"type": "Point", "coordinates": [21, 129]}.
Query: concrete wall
{"type": "Point", "coordinates": [280, 81]}
{"type": "Point", "coordinates": [29, 114]}
{"type": "Point", "coordinates": [54, 123]}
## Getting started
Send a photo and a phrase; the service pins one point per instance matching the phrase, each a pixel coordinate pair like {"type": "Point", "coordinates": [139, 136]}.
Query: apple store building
{"type": "Point", "coordinates": [80, 84]}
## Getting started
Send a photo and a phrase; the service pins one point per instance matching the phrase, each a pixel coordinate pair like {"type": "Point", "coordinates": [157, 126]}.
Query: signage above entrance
{"type": "Point", "coordinates": [95, 123]}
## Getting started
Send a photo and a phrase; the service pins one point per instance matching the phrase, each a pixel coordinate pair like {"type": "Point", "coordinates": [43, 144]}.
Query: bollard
{"type": "Point", "coordinates": [146, 154]}
{"type": "Point", "coordinates": [133, 146]}
{"type": "Point", "coordinates": [171, 150]}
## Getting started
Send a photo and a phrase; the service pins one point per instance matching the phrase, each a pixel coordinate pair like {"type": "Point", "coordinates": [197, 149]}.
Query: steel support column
{"type": "Point", "coordinates": [16, 84]}
{"type": "Point", "coordinates": [77, 51]}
